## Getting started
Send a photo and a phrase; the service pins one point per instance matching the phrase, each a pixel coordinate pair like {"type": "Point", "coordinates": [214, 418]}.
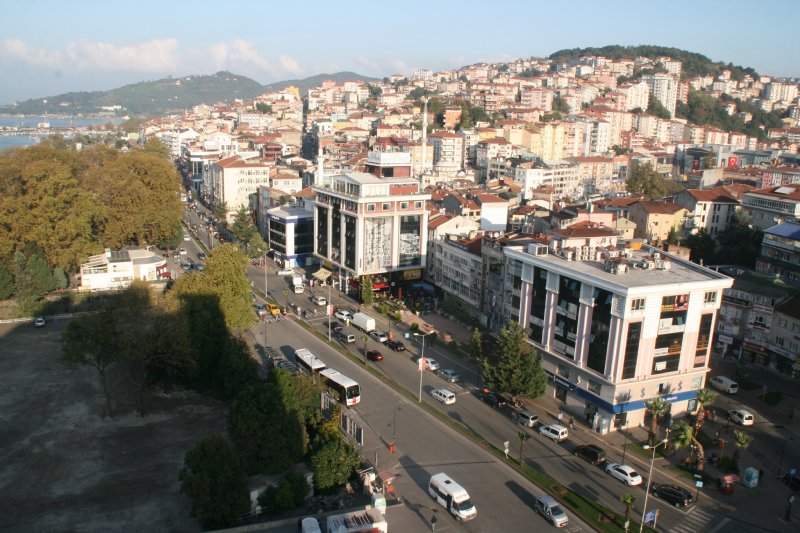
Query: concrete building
{"type": "Point", "coordinates": [780, 253]}
{"type": "Point", "coordinates": [655, 220]}
{"type": "Point", "coordinates": [458, 270]}
{"type": "Point", "coordinates": [616, 326]}
{"type": "Point", "coordinates": [448, 152]}
{"type": "Point", "coordinates": [773, 205]}
{"type": "Point", "coordinates": [290, 235]}
{"type": "Point", "coordinates": [664, 88]}
{"type": "Point", "coordinates": [710, 210]}
{"type": "Point", "coordinates": [233, 179]}
{"type": "Point", "coordinates": [783, 342]}
{"type": "Point", "coordinates": [117, 269]}
{"type": "Point", "coordinates": [370, 226]}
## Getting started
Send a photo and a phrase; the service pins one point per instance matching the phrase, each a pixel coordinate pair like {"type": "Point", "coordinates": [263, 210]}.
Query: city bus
{"type": "Point", "coordinates": [308, 362]}
{"type": "Point", "coordinates": [345, 389]}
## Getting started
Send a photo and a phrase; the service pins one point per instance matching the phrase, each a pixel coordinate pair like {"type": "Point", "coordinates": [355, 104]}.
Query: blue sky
{"type": "Point", "coordinates": [51, 47]}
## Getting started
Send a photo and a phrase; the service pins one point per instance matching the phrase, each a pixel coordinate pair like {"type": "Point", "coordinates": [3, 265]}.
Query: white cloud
{"type": "Point", "coordinates": [290, 65]}
{"type": "Point", "coordinates": [148, 56]}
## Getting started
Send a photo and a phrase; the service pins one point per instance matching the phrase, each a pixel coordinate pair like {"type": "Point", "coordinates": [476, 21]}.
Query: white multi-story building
{"type": "Point", "coordinates": [117, 269]}
{"type": "Point", "coordinates": [233, 179]}
{"type": "Point", "coordinates": [636, 94]}
{"type": "Point", "coordinates": [448, 152]}
{"type": "Point", "coordinates": [664, 88]}
{"type": "Point", "coordinates": [616, 326]}
{"type": "Point", "coordinates": [458, 270]}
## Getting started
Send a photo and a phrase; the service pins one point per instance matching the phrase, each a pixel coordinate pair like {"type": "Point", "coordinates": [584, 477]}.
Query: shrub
{"type": "Point", "coordinates": [414, 327]}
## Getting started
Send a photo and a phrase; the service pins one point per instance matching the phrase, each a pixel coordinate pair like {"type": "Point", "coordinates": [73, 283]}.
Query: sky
{"type": "Point", "coordinates": [50, 47]}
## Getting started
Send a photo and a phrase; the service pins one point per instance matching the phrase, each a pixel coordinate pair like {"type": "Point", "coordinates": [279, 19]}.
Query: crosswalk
{"type": "Point", "coordinates": [697, 519]}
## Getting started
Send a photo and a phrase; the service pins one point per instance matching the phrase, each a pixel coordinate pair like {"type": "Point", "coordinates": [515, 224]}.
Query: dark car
{"type": "Point", "coordinates": [594, 454]}
{"type": "Point", "coordinates": [673, 494]}
{"type": "Point", "coordinates": [374, 355]}
{"type": "Point", "coordinates": [336, 326]}
{"type": "Point", "coordinates": [397, 346]}
{"type": "Point", "coordinates": [493, 399]}
{"type": "Point", "coordinates": [202, 256]}
{"type": "Point", "coordinates": [792, 481]}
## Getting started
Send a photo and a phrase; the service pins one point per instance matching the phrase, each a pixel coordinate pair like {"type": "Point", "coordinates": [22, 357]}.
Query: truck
{"type": "Point", "coordinates": [363, 321]}
{"type": "Point", "coordinates": [452, 497]}
{"type": "Point", "coordinates": [297, 284]}
{"type": "Point", "coordinates": [367, 521]}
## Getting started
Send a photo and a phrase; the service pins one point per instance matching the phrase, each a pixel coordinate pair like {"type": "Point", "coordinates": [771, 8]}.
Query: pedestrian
{"type": "Point", "coordinates": [571, 423]}
{"type": "Point", "coordinates": [714, 416]}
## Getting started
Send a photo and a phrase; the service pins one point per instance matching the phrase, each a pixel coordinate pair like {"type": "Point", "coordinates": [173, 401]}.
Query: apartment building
{"type": "Point", "coordinates": [448, 152]}
{"type": "Point", "coordinates": [664, 88]}
{"type": "Point", "coordinates": [617, 325]}
{"type": "Point", "coordinates": [635, 95]}
{"type": "Point", "coordinates": [783, 342]}
{"type": "Point", "coordinates": [709, 210]}
{"type": "Point", "coordinates": [232, 180]}
{"type": "Point", "coordinates": [780, 253]}
{"type": "Point", "coordinates": [458, 269]}
{"type": "Point", "coordinates": [655, 220]}
{"type": "Point", "coordinates": [371, 226]}
{"type": "Point", "coordinates": [773, 205]}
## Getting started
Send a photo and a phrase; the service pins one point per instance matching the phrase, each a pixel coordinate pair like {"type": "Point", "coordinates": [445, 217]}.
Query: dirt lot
{"type": "Point", "coordinates": [63, 467]}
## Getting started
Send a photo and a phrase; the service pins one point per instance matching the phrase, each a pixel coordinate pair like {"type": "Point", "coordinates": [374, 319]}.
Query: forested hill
{"type": "Point", "coordinates": [165, 96]}
{"type": "Point", "coordinates": [694, 64]}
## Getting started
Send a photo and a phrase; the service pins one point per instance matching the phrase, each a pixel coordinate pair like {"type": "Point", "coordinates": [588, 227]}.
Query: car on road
{"type": "Point", "coordinates": [273, 309]}
{"type": "Point", "coordinates": [374, 355]}
{"type": "Point", "coordinates": [445, 396]}
{"type": "Point", "coordinates": [285, 272]}
{"type": "Point", "coordinates": [397, 346]}
{"type": "Point", "coordinates": [594, 454]}
{"type": "Point", "coordinates": [186, 267]}
{"type": "Point", "coordinates": [672, 494]}
{"type": "Point", "coordinates": [524, 418]}
{"type": "Point", "coordinates": [202, 256]}
{"type": "Point", "coordinates": [336, 326]}
{"type": "Point", "coordinates": [343, 314]}
{"type": "Point", "coordinates": [741, 417]}
{"type": "Point", "coordinates": [39, 322]}
{"type": "Point", "coordinates": [451, 376]}
{"type": "Point", "coordinates": [199, 267]}
{"type": "Point", "coordinates": [176, 254]}
{"type": "Point", "coordinates": [186, 237]}
{"type": "Point", "coordinates": [624, 473]}
{"type": "Point", "coordinates": [430, 363]}
{"type": "Point", "coordinates": [554, 431]}
{"type": "Point", "coordinates": [548, 507]}
{"type": "Point", "coordinates": [347, 338]}
{"type": "Point", "coordinates": [493, 399]}
{"type": "Point", "coordinates": [261, 311]}
{"type": "Point", "coordinates": [319, 300]}
{"type": "Point", "coordinates": [379, 336]}
{"type": "Point", "coordinates": [182, 251]}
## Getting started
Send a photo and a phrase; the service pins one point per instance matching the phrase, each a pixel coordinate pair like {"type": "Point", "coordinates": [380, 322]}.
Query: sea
{"type": "Point", "coordinates": [11, 141]}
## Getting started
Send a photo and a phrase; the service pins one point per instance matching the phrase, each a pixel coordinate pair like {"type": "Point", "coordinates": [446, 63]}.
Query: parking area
{"type": "Point", "coordinates": [65, 468]}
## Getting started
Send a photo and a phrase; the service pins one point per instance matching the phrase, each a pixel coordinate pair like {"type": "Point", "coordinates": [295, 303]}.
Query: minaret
{"type": "Point", "coordinates": [424, 137]}
{"type": "Point", "coordinates": [320, 164]}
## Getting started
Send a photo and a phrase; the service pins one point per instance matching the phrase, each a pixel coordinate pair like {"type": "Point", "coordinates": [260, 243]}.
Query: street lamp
{"type": "Point", "coordinates": [649, 478]}
{"type": "Point", "coordinates": [266, 295]}
{"type": "Point", "coordinates": [328, 309]}
{"type": "Point", "coordinates": [421, 361]}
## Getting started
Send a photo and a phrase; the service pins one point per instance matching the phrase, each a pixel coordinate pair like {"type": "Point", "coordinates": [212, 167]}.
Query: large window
{"type": "Point", "coordinates": [304, 237]}
{"type": "Point", "coordinates": [566, 330]}
{"type": "Point", "coordinates": [598, 337]}
{"type": "Point", "coordinates": [538, 304]}
{"type": "Point", "coordinates": [322, 231]}
{"type": "Point", "coordinates": [632, 350]}
{"type": "Point", "coordinates": [350, 242]}
{"type": "Point", "coordinates": [703, 340]}
{"type": "Point", "coordinates": [410, 251]}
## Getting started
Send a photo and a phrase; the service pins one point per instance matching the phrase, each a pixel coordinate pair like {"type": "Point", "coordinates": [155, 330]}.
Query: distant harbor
{"type": "Point", "coordinates": [20, 131]}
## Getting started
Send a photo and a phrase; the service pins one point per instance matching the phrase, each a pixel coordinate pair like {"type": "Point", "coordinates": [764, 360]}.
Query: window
{"type": "Point", "coordinates": [779, 341]}
{"type": "Point", "coordinates": [403, 205]}
{"type": "Point", "coordinates": [370, 207]}
{"type": "Point", "coordinates": [563, 371]}
{"type": "Point", "coordinates": [782, 322]}
{"type": "Point", "coordinates": [417, 205]}
{"type": "Point", "coordinates": [594, 386]}
{"type": "Point", "coordinates": [692, 405]}
{"type": "Point", "coordinates": [663, 388]}
{"type": "Point", "coordinates": [637, 304]}
{"type": "Point", "coordinates": [710, 297]}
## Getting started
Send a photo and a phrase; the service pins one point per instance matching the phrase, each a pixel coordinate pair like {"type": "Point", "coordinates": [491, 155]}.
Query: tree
{"type": "Point", "coordinates": [672, 237]}
{"type": "Point", "coordinates": [515, 368]}
{"type": "Point", "coordinates": [33, 277]}
{"type": "Point", "coordinates": [684, 436]}
{"type": "Point", "coordinates": [645, 180]}
{"type": "Point", "coordinates": [374, 90]}
{"type": "Point", "coordinates": [656, 407]}
{"type": "Point", "coordinates": [655, 107]}
{"type": "Point", "coordinates": [60, 280]}
{"type": "Point", "coordinates": [214, 479]}
{"type": "Point", "coordinates": [560, 105]}
{"type": "Point", "coordinates": [522, 436]}
{"type": "Point", "coordinates": [90, 340]}
{"type": "Point", "coordinates": [242, 227]}
{"type": "Point", "coordinates": [627, 499]}
{"type": "Point", "coordinates": [702, 247]}
{"type": "Point", "coordinates": [263, 108]}
{"type": "Point", "coordinates": [156, 147]}
{"type": "Point", "coordinates": [268, 436]}
{"type": "Point", "coordinates": [704, 398]}
{"type": "Point", "coordinates": [332, 458]}
{"type": "Point", "coordinates": [6, 282]}
{"type": "Point", "coordinates": [740, 243]}
{"type": "Point", "coordinates": [741, 441]}
{"type": "Point", "coordinates": [220, 210]}
{"type": "Point", "coordinates": [476, 345]}
{"type": "Point", "coordinates": [256, 247]}
{"type": "Point", "coordinates": [366, 289]}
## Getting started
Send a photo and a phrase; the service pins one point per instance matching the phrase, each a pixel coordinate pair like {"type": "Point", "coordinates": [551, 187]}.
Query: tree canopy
{"type": "Point", "coordinates": [644, 179]}
{"type": "Point", "coordinates": [515, 367]}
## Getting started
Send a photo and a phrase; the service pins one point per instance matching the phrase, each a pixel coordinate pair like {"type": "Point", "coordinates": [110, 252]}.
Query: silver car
{"type": "Point", "coordinates": [449, 375]}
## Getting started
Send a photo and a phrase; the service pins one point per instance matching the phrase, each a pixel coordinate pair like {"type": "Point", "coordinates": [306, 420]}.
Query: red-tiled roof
{"type": "Point", "coordinates": [660, 208]}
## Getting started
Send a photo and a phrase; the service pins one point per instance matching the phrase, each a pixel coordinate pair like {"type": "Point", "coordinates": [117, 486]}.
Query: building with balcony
{"type": "Point", "coordinates": [617, 324]}
{"type": "Point", "coordinates": [783, 342]}
{"type": "Point", "coordinates": [232, 180]}
{"type": "Point", "coordinates": [773, 205]}
{"type": "Point", "coordinates": [780, 253]}
{"type": "Point", "coordinates": [457, 271]}
{"type": "Point", "coordinates": [448, 152]}
{"type": "Point", "coordinates": [710, 210]}
{"type": "Point", "coordinates": [365, 225]}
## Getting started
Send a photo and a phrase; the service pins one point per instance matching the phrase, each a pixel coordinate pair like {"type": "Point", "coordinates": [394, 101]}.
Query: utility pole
{"type": "Point", "coordinates": [328, 310]}
{"type": "Point", "coordinates": [266, 295]}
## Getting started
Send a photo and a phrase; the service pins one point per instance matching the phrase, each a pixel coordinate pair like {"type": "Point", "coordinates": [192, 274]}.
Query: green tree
{"type": "Point", "coordinates": [374, 90]}
{"type": "Point", "coordinates": [290, 494]}
{"type": "Point", "coordinates": [255, 409]}
{"type": "Point", "coordinates": [214, 479]}
{"type": "Point", "coordinates": [522, 436]}
{"type": "Point", "coordinates": [466, 117]}
{"type": "Point", "coordinates": [645, 180]}
{"type": "Point", "coordinates": [740, 243]}
{"type": "Point", "coordinates": [60, 280]}
{"type": "Point", "coordinates": [366, 289]}
{"type": "Point", "coordinates": [90, 340]}
{"type": "Point", "coordinates": [333, 460]}
{"type": "Point", "coordinates": [655, 107]}
{"type": "Point", "coordinates": [476, 345]}
{"type": "Point", "coordinates": [7, 287]}
{"type": "Point", "coordinates": [242, 227]}
{"type": "Point", "coordinates": [684, 436]}
{"type": "Point", "coordinates": [741, 441]}
{"type": "Point", "coordinates": [704, 399]}
{"type": "Point", "coordinates": [256, 247]}
{"type": "Point", "coordinates": [220, 210]}
{"type": "Point", "coordinates": [560, 105]}
{"type": "Point", "coordinates": [156, 147]}
{"type": "Point", "coordinates": [33, 277]}
{"type": "Point", "coordinates": [515, 368]}
{"type": "Point", "coordinates": [264, 109]}
{"type": "Point", "coordinates": [656, 407]}
{"type": "Point", "coordinates": [702, 246]}
{"type": "Point", "coordinates": [627, 499]}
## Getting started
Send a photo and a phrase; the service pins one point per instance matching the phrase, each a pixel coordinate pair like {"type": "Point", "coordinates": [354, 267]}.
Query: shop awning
{"type": "Point", "coordinates": [322, 274]}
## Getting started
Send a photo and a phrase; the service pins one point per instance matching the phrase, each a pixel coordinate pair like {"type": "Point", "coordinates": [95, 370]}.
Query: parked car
{"type": "Point", "coordinates": [261, 310]}
{"type": "Point", "coordinates": [741, 417]}
{"type": "Point", "coordinates": [430, 363]}
{"type": "Point", "coordinates": [445, 396]}
{"type": "Point", "coordinates": [176, 254]}
{"type": "Point", "coordinates": [594, 454]}
{"type": "Point", "coordinates": [199, 267]}
{"type": "Point", "coordinates": [673, 494]}
{"type": "Point", "coordinates": [624, 473]}
{"type": "Point", "coordinates": [39, 322]}
{"type": "Point", "coordinates": [182, 251]}
{"type": "Point", "coordinates": [374, 355]}
{"type": "Point", "coordinates": [319, 300]}
{"type": "Point", "coordinates": [336, 326]}
{"type": "Point", "coordinates": [449, 375]}
{"type": "Point", "coordinates": [397, 346]}
{"type": "Point", "coordinates": [202, 256]}
{"type": "Point", "coordinates": [524, 418]}
{"type": "Point", "coordinates": [285, 272]}
{"type": "Point", "coordinates": [379, 336]}
{"type": "Point", "coordinates": [493, 399]}
{"type": "Point", "coordinates": [342, 314]}
{"type": "Point", "coordinates": [554, 431]}
{"type": "Point", "coordinates": [347, 338]}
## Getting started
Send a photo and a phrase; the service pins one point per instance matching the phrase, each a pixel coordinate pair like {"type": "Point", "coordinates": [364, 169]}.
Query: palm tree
{"type": "Point", "coordinates": [704, 398]}
{"type": "Point", "coordinates": [628, 500]}
{"type": "Point", "coordinates": [742, 441]}
{"type": "Point", "coordinates": [522, 438]}
{"type": "Point", "coordinates": [657, 407]}
{"type": "Point", "coordinates": [684, 436]}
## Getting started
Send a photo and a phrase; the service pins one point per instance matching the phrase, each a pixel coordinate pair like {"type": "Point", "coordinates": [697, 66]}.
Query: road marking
{"type": "Point", "coordinates": [720, 525]}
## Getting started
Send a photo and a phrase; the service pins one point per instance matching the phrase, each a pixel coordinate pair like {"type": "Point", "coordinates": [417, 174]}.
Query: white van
{"type": "Point", "coordinates": [724, 384]}
{"type": "Point", "coordinates": [548, 507]}
{"type": "Point", "coordinates": [443, 395]}
{"type": "Point", "coordinates": [452, 497]}
{"type": "Point", "coordinates": [555, 432]}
